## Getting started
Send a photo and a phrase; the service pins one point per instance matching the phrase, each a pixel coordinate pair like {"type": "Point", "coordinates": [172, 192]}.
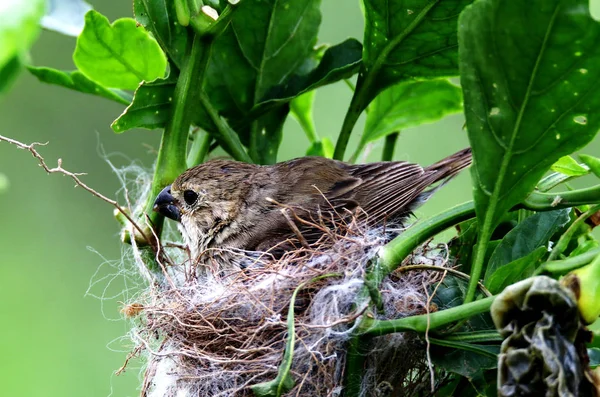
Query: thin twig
{"type": "Point", "coordinates": [75, 176]}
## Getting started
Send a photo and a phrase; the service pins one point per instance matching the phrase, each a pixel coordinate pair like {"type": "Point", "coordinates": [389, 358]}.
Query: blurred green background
{"type": "Point", "coordinates": [55, 340]}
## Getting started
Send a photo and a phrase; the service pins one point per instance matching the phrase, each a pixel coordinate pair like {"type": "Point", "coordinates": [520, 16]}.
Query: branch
{"type": "Point", "coordinates": [75, 176]}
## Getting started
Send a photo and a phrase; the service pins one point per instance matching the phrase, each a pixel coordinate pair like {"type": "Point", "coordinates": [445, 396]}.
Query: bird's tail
{"type": "Point", "coordinates": [451, 165]}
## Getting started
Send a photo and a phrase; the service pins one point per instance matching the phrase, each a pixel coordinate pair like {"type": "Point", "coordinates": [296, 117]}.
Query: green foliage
{"type": "Point", "coordinates": [408, 104]}
{"type": "Point", "coordinates": [18, 30]}
{"type": "Point", "coordinates": [523, 116]}
{"type": "Point", "coordinates": [121, 55]}
{"type": "Point", "coordinates": [77, 81]}
{"type": "Point", "coordinates": [527, 72]}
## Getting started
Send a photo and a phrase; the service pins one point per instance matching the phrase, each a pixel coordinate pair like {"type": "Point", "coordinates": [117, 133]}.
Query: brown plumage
{"type": "Point", "coordinates": [230, 205]}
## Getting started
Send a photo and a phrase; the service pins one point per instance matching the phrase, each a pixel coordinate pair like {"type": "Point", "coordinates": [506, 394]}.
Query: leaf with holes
{"type": "Point", "coordinates": [158, 17]}
{"type": "Point", "coordinates": [77, 81]}
{"type": "Point", "coordinates": [121, 55]}
{"type": "Point", "coordinates": [529, 72]}
{"type": "Point", "coordinates": [405, 39]}
{"type": "Point", "coordinates": [408, 104]}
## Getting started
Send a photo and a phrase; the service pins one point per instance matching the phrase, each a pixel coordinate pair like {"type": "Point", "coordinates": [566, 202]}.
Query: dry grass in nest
{"type": "Point", "coordinates": [216, 336]}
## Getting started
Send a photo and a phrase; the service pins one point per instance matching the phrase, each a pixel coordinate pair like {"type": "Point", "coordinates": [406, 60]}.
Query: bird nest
{"type": "Point", "coordinates": [213, 334]}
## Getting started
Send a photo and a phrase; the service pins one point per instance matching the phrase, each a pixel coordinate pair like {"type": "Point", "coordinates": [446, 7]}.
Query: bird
{"type": "Point", "coordinates": [228, 206]}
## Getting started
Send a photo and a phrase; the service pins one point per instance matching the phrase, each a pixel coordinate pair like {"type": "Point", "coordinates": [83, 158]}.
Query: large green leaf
{"type": "Point", "coordinates": [534, 232]}
{"type": "Point", "coordinates": [408, 104]}
{"type": "Point", "coordinates": [514, 271]}
{"type": "Point", "coordinates": [265, 142]}
{"type": "Point", "coordinates": [19, 28]}
{"type": "Point", "coordinates": [121, 55]}
{"type": "Point", "coordinates": [264, 44]}
{"type": "Point", "coordinates": [529, 71]}
{"type": "Point", "coordinates": [338, 62]}
{"type": "Point", "coordinates": [158, 17]}
{"type": "Point", "coordinates": [407, 39]}
{"type": "Point", "coordinates": [150, 108]}
{"type": "Point", "coordinates": [66, 16]}
{"type": "Point", "coordinates": [77, 81]}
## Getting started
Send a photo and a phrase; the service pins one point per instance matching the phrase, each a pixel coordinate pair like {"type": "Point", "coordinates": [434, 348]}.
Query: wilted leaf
{"type": "Point", "coordinates": [121, 55]}
{"type": "Point", "coordinates": [408, 104]}
{"type": "Point", "coordinates": [533, 232]}
{"type": "Point", "coordinates": [568, 166]}
{"type": "Point", "coordinates": [528, 91]}
{"type": "Point", "coordinates": [66, 16]}
{"type": "Point", "coordinates": [77, 81]}
{"type": "Point", "coordinates": [158, 17]}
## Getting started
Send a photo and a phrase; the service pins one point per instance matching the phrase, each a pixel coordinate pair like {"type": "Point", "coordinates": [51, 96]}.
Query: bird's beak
{"type": "Point", "coordinates": [165, 205]}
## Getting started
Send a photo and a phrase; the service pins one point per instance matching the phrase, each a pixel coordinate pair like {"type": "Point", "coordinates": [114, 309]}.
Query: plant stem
{"type": "Point", "coordinates": [357, 105]}
{"type": "Point", "coordinates": [365, 86]}
{"type": "Point", "coordinates": [389, 146]}
{"type": "Point", "coordinates": [436, 320]}
{"type": "Point", "coordinates": [566, 237]}
{"type": "Point", "coordinates": [171, 154]}
{"type": "Point", "coordinates": [566, 265]}
{"type": "Point", "coordinates": [227, 137]}
{"type": "Point", "coordinates": [538, 201]}
{"type": "Point", "coordinates": [399, 248]}
{"type": "Point", "coordinates": [199, 149]}
{"type": "Point", "coordinates": [474, 336]}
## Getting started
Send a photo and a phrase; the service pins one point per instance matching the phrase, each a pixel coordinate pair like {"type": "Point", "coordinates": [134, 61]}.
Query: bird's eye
{"type": "Point", "coordinates": [190, 196]}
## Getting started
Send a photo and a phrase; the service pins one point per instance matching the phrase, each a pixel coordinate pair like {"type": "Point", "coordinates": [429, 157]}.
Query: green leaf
{"type": "Point", "coordinates": [529, 97]}
{"type": "Point", "coordinates": [568, 166]}
{"type": "Point", "coordinates": [150, 108]}
{"type": "Point", "coordinates": [66, 16]}
{"type": "Point", "coordinates": [409, 104]}
{"type": "Point", "coordinates": [19, 28]}
{"type": "Point", "coordinates": [77, 81]}
{"type": "Point", "coordinates": [524, 103]}
{"type": "Point", "coordinates": [323, 148]}
{"type": "Point", "coordinates": [534, 232]}
{"type": "Point", "coordinates": [121, 55]}
{"type": "Point", "coordinates": [9, 73]}
{"type": "Point", "coordinates": [301, 108]}
{"type": "Point", "coordinates": [267, 136]}
{"type": "Point", "coordinates": [514, 271]}
{"type": "Point", "coordinates": [261, 48]}
{"type": "Point", "coordinates": [405, 39]}
{"type": "Point", "coordinates": [158, 17]}
{"type": "Point", "coordinates": [592, 162]}
{"type": "Point", "coordinates": [338, 62]}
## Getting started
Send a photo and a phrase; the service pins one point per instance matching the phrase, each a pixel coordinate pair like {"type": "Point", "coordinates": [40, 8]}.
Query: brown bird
{"type": "Point", "coordinates": [230, 206]}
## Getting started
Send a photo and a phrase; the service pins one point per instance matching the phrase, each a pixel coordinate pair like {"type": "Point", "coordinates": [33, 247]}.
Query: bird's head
{"type": "Point", "coordinates": [203, 199]}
